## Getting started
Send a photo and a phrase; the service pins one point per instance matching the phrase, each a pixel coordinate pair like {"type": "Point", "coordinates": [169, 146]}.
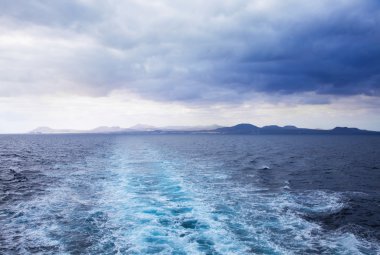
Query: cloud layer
{"type": "Point", "coordinates": [191, 51]}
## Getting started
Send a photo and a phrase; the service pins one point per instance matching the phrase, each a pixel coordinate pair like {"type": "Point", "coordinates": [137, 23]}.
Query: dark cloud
{"type": "Point", "coordinates": [182, 51]}
{"type": "Point", "coordinates": [336, 54]}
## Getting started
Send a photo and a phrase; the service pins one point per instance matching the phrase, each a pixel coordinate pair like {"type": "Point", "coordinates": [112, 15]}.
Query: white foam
{"type": "Point", "coordinates": [144, 188]}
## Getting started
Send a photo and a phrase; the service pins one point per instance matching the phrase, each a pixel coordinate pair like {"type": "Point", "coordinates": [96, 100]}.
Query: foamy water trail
{"type": "Point", "coordinates": [159, 213]}
{"type": "Point", "coordinates": [139, 198]}
{"type": "Point", "coordinates": [171, 209]}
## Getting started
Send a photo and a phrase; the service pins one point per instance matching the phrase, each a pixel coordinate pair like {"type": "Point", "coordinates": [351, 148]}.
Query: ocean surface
{"type": "Point", "coordinates": [189, 194]}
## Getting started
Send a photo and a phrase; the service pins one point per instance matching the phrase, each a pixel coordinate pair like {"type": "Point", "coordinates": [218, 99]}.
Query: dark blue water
{"type": "Point", "coordinates": [194, 194]}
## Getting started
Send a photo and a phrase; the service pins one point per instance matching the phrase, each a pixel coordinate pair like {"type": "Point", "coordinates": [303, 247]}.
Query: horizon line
{"type": "Point", "coordinates": [166, 128]}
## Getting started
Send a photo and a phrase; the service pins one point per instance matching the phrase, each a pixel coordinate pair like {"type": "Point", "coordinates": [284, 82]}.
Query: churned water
{"type": "Point", "coordinates": [189, 194]}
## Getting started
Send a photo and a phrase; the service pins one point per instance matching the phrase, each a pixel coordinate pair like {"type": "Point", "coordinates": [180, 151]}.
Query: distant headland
{"type": "Point", "coordinates": [242, 129]}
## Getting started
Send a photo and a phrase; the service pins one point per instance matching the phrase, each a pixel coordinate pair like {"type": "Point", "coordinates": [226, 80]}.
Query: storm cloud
{"type": "Point", "coordinates": [190, 51]}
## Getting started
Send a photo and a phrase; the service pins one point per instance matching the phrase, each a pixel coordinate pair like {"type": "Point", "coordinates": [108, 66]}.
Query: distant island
{"type": "Point", "coordinates": [242, 129]}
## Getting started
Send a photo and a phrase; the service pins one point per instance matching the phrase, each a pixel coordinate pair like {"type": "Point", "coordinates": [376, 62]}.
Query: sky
{"type": "Point", "coordinates": [88, 63]}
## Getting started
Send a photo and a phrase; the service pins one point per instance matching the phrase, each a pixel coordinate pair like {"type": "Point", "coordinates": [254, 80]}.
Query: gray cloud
{"type": "Point", "coordinates": [190, 51]}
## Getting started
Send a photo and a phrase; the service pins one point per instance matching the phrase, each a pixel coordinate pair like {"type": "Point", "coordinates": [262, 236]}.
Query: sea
{"type": "Point", "coordinates": [189, 194]}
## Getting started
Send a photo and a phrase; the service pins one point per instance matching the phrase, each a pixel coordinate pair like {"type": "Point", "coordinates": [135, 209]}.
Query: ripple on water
{"type": "Point", "coordinates": [140, 198]}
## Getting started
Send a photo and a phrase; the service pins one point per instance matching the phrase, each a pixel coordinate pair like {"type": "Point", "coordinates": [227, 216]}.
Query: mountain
{"type": "Point", "coordinates": [48, 130]}
{"type": "Point", "coordinates": [139, 128]}
{"type": "Point", "coordinates": [346, 130]}
{"type": "Point", "coordinates": [142, 127]}
{"type": "Point", "coordinates": [105, 129]}
{"type": "Point", "coordinates": [239, 129]}
{"type": "Point", "coordinates": [243, 129]}
{"type": "Point", "coordinates": [189, 128]}
{"type": "Point", "coordinates": [290, 127]}
{"type": "Point", "coordinates": [101, 129]}
{"type": "Point", "coordinates": [250, 129]}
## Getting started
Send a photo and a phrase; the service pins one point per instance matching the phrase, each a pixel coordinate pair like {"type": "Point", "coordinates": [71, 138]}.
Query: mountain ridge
{"type": "Point", "coordinates": [242, 128]}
